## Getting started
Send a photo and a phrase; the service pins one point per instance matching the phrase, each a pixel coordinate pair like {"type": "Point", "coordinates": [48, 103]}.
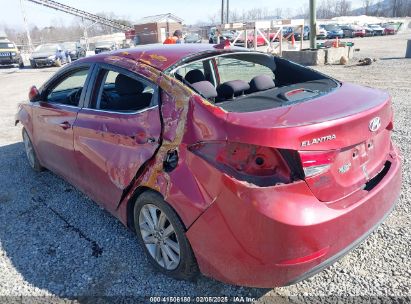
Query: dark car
{"type": "Point", "coordinates": [369, 31]}
{"type": "Point", "coordinates": [226, 35]}
{"type": "Point", "coordinates": [104, 46]}
{"type": "Point", "coordinates": [241, 165]}
{"type": "Point", "coordinates": [333, 31]}
{"type": "Point", "coordinates": [74, 50]}
{"type": "Point", "coordinates": [306, 33]}
{"type": "Point", "coordinates": [48, 55]}
{"type": "Point", "coordinates": [352, 31]}
{"type": "Point", "coordinates": [192, 38]}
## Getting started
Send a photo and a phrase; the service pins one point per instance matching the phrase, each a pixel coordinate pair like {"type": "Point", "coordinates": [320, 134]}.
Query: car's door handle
{"type": "Point", "coordinates": [65, 125]}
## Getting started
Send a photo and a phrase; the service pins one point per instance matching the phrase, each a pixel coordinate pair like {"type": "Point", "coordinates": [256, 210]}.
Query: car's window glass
{"type": "Point", "coordinates": [234, 69]}
{"type": "Point", "coordinates": [6, 45]}
{"type": "Point", "coordinates": [120, 93]}
{"type": "Point", "coordinates": [68, 90]}
{"type": "Point", "coordinates": [194, 66]}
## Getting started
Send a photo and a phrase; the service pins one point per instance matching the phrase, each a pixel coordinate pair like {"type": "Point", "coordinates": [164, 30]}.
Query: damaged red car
{"type": "Point", "coordinates": [237, 164]}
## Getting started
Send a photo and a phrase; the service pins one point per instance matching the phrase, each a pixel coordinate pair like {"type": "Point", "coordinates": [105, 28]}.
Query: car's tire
{"type": "Point", "coordinates": [33, 65]}
{"type": "Point", "coordinates": [162, 235]}
{"type": "Point", "coordinates": [30, 153]}
{"type": "Point", "coordinates": [21, 64]}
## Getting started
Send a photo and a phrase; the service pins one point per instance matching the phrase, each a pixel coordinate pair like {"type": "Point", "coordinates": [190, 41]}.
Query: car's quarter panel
{"type": "Point", "coordinates": [52, 136]}
{"type": "Point", "coordinates": [266, 237]}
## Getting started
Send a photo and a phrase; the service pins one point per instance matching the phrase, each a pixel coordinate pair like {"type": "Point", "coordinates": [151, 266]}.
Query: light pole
{"type": "Point", "coordinates": [313, 24]}
{"type": "Point", "coordinates": [222, 11]}
{"type": "Point", "coordinates": [23, 12]}
{"type": "Point", "coordinates": [228, 12]}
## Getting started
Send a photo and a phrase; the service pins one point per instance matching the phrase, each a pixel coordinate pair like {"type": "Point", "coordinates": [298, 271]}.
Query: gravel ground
{"type": "Point", "coordinates": [54, 241]}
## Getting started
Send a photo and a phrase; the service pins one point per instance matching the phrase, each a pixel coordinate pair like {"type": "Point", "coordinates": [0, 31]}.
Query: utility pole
{"type": "Point", "coordinates": [222, 11]}
{"type": "Point", "coordinates": [313, 24]}
{"type": "Point", "coordinates": [228, 11]}
{"type": "Point", "coordinates": [85, 33]}
{"type": "Point", "coordinates": [23, 12]}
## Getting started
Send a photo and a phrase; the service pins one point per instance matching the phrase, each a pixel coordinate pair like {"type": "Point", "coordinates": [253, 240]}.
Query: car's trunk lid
{"type": "Point", "coordinates": [347, 129]}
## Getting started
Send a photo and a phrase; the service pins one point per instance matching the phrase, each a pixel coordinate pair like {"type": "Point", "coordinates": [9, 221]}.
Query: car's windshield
{"type": "Point", "coordinates": [6, 45]}
{"type": "Point", "coordinates": [46, 48]}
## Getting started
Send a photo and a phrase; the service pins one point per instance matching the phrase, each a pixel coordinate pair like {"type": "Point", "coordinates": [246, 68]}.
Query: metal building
{"type": "Point", "coordinates": [155, 29]}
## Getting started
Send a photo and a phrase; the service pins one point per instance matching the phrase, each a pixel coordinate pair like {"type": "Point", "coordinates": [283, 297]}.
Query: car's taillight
{"type": "Point", "coordinates": [262, 166]}
{"type": "Point", "coordinates": [316, 162]}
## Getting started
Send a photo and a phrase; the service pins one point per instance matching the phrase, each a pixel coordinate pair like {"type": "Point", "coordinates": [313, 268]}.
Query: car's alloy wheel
{"type": "Point", "coordinates": [159, 236]}
{"type": "Point", "coordinates": [162, 234]}
{"type": "Point", "coordinates": [30, 153]}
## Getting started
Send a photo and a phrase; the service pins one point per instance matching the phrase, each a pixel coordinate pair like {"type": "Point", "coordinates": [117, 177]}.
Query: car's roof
{"type": "Point", "coordinates": [162, 56]}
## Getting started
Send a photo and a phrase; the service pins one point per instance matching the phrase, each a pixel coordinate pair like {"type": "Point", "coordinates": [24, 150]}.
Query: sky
{"type": "Point", "coordinates": [191, 11]}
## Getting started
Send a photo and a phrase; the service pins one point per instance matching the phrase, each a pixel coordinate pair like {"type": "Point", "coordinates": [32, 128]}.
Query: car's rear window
{"type": "Point", "coordinates": [235, 69]}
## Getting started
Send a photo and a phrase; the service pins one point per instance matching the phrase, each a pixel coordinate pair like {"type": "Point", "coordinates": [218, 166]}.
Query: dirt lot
{"type": "Point", "coordinates": [54, 241]}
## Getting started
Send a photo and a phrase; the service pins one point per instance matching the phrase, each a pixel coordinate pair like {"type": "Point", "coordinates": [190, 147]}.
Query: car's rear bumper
{"type": "Point", "coordinates": [275, 236]}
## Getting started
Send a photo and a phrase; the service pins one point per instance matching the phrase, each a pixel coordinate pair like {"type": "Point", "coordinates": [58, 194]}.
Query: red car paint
{"type": "Point", "coordinates": [389, 31]}
{"type": "Point", "coordinates": [250, 40]}
{"type": "Point", "coordinates": [240, 232]}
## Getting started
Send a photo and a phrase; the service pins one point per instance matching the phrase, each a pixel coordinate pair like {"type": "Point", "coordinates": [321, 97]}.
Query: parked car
{"type": "Point", "coordinates": [192, 179]}
{"type": "Point", "coordinates": [48, 55]}
{"type": "Point", "coordinates": [378, 29]}
{"type": "Point", "coordinates": [286, 34]}
{"type": "Point", "coordinates": [306, 33]}
{"type": "Point", "coordinates": [104, 46]}
{"type": "Point", "coordinates": [333, 31]}
{"type": "Point", "coordinates": [213, 38]}
{"type": "Point", "coordinates": [192, 38]}
{"type": "Point", "coordinates": [389, 29]}
{"type": "Point", "coordinates": [74, 50]}
{"type": "Point", "coordinates": [352, 31]}
{"type": "Point", "coordinates": [250, 40]}
{"type": "Point", "coordinates": [322, 33]}
{"type": "Point", "coordinates": [10, 54]}
{"type": "Point", "coordinates": [369, 31]}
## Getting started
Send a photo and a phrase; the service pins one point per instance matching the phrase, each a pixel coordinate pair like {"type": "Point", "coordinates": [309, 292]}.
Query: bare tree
{"type": "Point", "coordinates": [278, 12]}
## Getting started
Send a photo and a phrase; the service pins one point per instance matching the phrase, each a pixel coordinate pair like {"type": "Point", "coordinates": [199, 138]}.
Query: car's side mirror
{"type": "Point", "coordinates": [34, 94]}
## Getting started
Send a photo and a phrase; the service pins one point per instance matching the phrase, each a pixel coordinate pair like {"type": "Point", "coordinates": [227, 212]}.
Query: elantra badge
{"type": "Point", "coordinates": [375, 124]}
{"type": "Point", "coordinates": [318, 140]}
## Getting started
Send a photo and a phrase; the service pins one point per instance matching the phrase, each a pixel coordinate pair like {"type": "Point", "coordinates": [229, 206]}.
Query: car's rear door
{"type": "Point", "coordinates": [53, 118]}
{"type": "Point", "coordinates": [117, 133]}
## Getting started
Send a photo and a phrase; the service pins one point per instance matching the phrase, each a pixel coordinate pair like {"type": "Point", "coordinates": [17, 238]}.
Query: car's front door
{"type": "Point", "coordinates": [53, 118]}
{"type": "Point", "coordinates": [116, 134]}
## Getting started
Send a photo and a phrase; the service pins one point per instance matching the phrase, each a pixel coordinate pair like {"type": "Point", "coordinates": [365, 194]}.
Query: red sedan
{"type": "Point", "coordinates": [389, 30]}
{"type": "Point", "coordinates": [247, 167]}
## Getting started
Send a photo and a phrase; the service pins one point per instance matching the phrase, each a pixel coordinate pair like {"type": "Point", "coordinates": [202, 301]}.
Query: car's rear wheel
{"type": "Point", "coordinates": [30, 153]}
{"type": "Point", "coordinates": [162, 235]}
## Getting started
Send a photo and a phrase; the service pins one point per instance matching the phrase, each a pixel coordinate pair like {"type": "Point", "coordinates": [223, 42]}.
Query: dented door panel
{"type": "Point", "coordinates": [110, 148]}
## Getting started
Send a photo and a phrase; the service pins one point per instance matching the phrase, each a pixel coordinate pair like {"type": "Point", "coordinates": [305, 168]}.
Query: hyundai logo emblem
{"type": "Point", "coordinates": [375, 124]}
